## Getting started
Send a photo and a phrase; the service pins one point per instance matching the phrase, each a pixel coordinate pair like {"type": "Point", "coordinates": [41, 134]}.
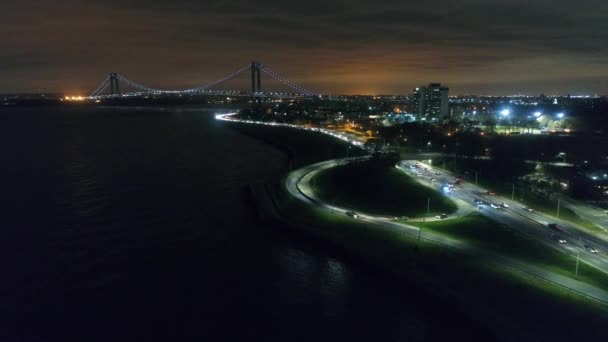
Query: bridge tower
{"type": "Point", "coordinates": [256, 82]}
{"type": "Point", "coordinates": [115, 90]}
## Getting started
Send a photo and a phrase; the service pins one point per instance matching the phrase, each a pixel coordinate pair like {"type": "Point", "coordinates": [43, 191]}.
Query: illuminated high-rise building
{"type": "Point", "coordinates": [431, 101]}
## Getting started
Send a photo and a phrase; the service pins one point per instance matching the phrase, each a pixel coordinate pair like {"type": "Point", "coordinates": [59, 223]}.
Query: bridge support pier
{"type": "Point", "coordinates": [256, 83]}
{"type": "Point", "coordinates": [114, 89]}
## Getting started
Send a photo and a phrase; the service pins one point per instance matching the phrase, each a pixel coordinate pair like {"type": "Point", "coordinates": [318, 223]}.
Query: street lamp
{"type": "Point", "coordinates": [505, 112]}
{"type": "Point", "coordinates": [563, 154]}
{"type": "Point", "coordinates": [560, 115]}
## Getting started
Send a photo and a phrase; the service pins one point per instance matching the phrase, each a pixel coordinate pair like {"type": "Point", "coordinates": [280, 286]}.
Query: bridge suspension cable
{"type": "Point", "coordinates": [287, 82]}
{"type": "Point", "coordinates": [227, 78]}
{"type": "Point", "coordinates": [102, 86]}
{"type": "Point", "coordinates": [144, 89]}
{"type": "Point", "coordinates": [112, 82]}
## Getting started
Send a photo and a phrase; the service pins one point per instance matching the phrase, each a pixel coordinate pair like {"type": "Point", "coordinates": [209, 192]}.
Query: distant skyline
{"type": "Point", "coordinates": [499, 47]}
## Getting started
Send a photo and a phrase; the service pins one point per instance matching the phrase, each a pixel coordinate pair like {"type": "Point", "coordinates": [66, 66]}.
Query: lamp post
{"type": "Point", "coordinates": [578, 254]}
{"type": "Point", "coordinates": [513, 192]}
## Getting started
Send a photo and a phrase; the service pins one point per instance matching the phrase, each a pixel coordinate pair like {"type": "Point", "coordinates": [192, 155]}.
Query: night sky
{"type": "Point", "coordinates": [351, 47]}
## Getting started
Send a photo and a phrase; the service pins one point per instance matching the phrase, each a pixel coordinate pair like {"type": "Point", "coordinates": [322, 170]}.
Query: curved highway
{"type": "Point", "coordinates": [298, 185]}
{"type": "Point", "coordinates": [515, 216]}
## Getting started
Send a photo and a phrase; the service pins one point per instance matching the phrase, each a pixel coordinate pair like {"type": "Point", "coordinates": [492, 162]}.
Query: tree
{"type": "Point", "coordinates": [490, 124]}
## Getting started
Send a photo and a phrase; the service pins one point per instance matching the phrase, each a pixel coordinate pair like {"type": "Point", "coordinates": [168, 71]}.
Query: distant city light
{"type": "Point", "coordinates": [74, 98]}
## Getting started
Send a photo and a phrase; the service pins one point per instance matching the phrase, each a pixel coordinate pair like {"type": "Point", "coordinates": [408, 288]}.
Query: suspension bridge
{"type": "Point", "coordinates": [116, 85]}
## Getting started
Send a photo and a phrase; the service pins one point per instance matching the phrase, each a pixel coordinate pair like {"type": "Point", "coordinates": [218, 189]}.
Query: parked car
{"type": "Point", "coordinates": [442, 216]}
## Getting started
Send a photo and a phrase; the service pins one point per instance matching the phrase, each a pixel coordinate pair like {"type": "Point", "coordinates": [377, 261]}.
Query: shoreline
{"type": "Point", "coordinates": [365, 255]}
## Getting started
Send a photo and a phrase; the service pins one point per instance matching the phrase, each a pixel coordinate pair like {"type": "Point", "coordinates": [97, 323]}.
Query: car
{"type": "Point", "coordinates": [554, 226]}
{"type": "Point", "coordinates": [477, 201]}
{"type": "Point", "coordinates": [495, 206]}
{"type": "Point", "coordinates": [491, 193]}
{"type": "Point", "coordinates": [480, 207]}
{"type": "Point", "coordinates": [352, 214]}
{"type": "Point", "coordinates": [436, 173]}
{"type": "Point", "coordinates": [590, 249]}
{"type": "Point", "coordinates": [504, 205]}
{"type": "Point", "coordinates": [562, 241]}
{"type": "Point", "coordinates": [442, 216]}
{"type": "Point", "coordinates": [433, 179]}
{"type": "Point", "coordinates": [527, 209]}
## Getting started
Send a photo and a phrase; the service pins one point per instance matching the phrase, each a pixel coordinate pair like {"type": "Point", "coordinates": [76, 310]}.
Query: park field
{"type": "Point", "coordinates": [377, 187]}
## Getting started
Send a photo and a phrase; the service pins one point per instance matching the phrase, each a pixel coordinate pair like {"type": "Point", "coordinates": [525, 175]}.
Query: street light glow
{"type": "Point", "coordinates": [538, 114]}
{"type": "Point", "coordinates": [560, 115]}
{"type": "Point", "coordinates": [505, 112]}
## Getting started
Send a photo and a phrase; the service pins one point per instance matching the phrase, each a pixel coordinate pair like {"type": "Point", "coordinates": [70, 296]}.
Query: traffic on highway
{"type": "Point", "coordinates": [547, 229]}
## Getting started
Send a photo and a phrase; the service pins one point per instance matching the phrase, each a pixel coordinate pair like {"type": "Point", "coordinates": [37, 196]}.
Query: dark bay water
{"type": "Point", "coordinates": [132, 224]}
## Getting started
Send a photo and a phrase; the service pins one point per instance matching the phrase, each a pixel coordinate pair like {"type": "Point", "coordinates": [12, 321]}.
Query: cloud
{"type": "Point", "coordinates": [390, 42]}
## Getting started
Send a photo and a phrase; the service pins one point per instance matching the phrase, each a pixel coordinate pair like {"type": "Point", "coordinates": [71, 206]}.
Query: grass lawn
{"type": "Point", "coordinates": [378, 188]}
{"type": "Point", "coordinates": [491, 235]}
